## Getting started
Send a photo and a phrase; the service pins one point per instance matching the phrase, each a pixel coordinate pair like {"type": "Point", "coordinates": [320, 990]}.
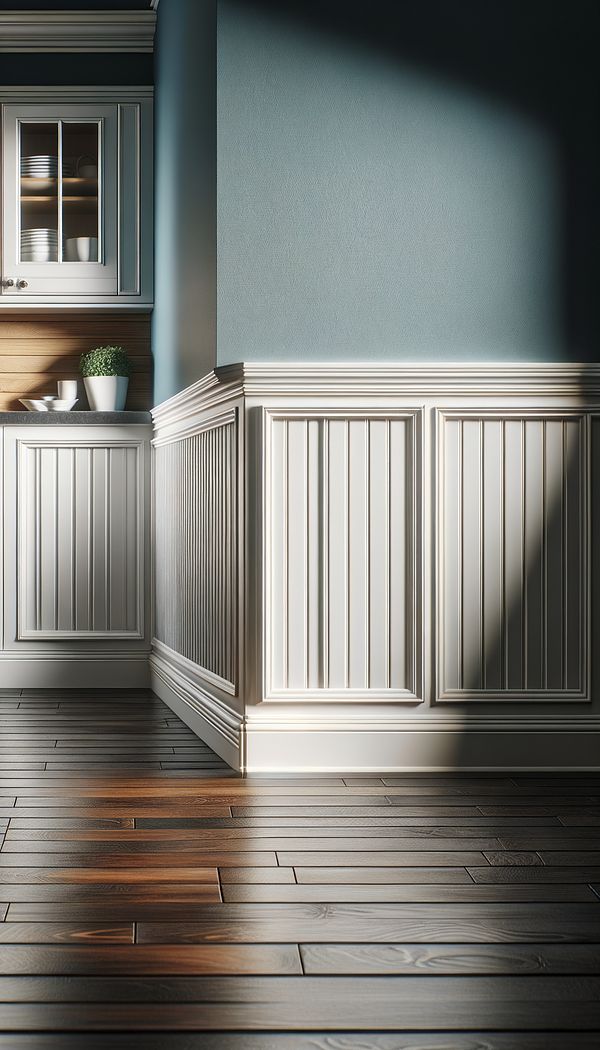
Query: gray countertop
{"type": "Point", "coordinates": [71, 418]}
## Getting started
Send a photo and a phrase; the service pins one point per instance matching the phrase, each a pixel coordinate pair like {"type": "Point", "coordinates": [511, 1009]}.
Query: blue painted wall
{"type": "Point", "coordinates": [393, 181]}
{"type": "Point", "coordinates": [184, 319]}
{"type": "Point", "coordinates": [406, 181]}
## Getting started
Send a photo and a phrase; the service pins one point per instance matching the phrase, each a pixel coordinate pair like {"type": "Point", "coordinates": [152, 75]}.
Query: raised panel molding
{"type": "Point", "coordinates": [80, 539]}
{"type": "Point", "coordinates": [341, 555]}
{"type": "Point", "coordinates": [512, 556]}
{"type": "Point", "coordinates": [195, 531]}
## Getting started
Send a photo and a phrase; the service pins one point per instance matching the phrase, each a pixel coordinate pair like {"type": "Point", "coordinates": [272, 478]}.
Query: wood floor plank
{"type": "Point", "coordinates": [367, 810]}
{"type": "Point", "coordinates": [35, 825]}
{"type": "Point", "coordinates": [266, 875]}
{"type": "Point", "coordinates": [574, 857]}
{"type": "Point", "coordinates": [117, 874]}
{"type": "Point", "coordinates": [209, 958]}
{"type": "Point", "coordinates": [52, 932]}
{"type": "Point", "coordinates": [391, 858]}
{"type": "Point", "coordinates": [338, 1016]}
{"type": "Point", "coordinates": [183, 983]}
{"type": "Point", "coordinates": [115, 901]}
{"type": "Point", "coordinates": [535, 875]}
{"type": "Point", "coordinates": [314, 1040]}
{"type": "Point", "coordinates": [381, 838]}
{"type": "Point", "coordinates": [419, 892]}
{"type": "Point", "coordinates": [184, 859]}
{"type": "Point", "coordinates": [339, 876]}
{"type": "Point", "coordinates": [450, 959]}
{"type": "Point", "coordinates": [209, 840]}
{"type": "Point", "coordinates": [114, 809]}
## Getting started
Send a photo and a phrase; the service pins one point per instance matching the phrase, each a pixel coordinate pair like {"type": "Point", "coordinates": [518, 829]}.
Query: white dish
{"type": "Point", "coordinates": [39, 405]}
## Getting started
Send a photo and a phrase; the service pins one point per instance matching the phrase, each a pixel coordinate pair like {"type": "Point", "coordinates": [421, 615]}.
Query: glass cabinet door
{"type": "Point", "coordinates": [60, 202]}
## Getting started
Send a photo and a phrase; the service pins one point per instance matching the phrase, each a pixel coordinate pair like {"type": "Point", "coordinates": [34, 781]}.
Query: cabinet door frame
{"type": "Point", "coordinates": [80, 279]}
{"type": "Point", "coordinates": [135, 247]}
{"type": "Point", "coordinates": [16, 635]}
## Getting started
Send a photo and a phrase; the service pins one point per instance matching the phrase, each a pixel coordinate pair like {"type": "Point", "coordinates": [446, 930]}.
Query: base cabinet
{"type": "Point", "coordinates": [75, 555]}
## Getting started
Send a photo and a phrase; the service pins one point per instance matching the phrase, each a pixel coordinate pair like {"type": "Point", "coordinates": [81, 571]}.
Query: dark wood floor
{"type": "Point", "coordinates": [151, 899]}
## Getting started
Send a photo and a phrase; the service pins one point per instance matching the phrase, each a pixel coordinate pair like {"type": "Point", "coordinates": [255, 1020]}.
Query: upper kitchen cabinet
{"type": "Point", "coordinates": [77, 201]}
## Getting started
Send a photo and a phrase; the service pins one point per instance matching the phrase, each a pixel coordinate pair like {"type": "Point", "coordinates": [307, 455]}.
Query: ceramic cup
{"type": "Point", "coordinates": [81, 249]}
{"type": "Point", "coordinates": [67, 389]}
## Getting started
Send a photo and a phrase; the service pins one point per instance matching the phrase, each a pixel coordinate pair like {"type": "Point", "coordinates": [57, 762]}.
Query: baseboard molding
{"type": "Point", "coordinates": [403, 750]}
{"type": "Point", "coordinates": [206, 715]}
{"type": "Point", "coordinates": [34, 671]}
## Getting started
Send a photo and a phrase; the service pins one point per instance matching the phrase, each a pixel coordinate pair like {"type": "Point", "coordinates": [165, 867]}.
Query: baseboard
{"type": "Point", "coordinates": [206, 715]}
{"type": "Point", "coordinates": [34, 671]}
{"type": "Point", "coordinates": [410, 750]}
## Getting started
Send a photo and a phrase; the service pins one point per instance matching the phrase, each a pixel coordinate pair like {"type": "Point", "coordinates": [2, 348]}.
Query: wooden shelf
{"type": "Point", "coordinates": [37, 186]}
{"type": "Point", "coordinates": [75, 203]}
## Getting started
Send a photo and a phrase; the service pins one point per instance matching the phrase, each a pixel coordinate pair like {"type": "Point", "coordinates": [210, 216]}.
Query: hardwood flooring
{"type": "Point", "coordinates": [150, 898]}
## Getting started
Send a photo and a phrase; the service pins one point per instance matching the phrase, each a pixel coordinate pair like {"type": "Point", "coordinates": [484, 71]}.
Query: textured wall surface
{"type": "Point", "coordinates": [405, 181]}
{"type": "Point", "coordinates": [185, 152]}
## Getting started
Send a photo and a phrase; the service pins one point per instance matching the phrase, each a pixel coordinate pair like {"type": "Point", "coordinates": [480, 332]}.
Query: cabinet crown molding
{"type": "Point", "coordinates": [96, 31]}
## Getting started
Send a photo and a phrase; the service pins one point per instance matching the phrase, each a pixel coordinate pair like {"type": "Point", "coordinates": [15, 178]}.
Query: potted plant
{"type": "Point", "coordinates": [105, 372]}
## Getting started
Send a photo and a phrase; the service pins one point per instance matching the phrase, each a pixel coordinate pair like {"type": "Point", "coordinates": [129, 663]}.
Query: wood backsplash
{"type": "Point", "coordinates": [36, 350]}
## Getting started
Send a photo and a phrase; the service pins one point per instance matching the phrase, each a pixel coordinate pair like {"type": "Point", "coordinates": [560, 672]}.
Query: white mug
{"type": "Point", "coordinates": [67, 389]}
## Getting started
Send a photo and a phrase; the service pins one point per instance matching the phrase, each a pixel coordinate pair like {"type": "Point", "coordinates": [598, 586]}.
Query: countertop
{"type": "Point", "coordinates": [72, 418]}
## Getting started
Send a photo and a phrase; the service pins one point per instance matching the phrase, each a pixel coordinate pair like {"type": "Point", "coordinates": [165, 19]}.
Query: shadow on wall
{"type": "Point", "coordinates": [517, 628]}
{"type": "Point", "coordinates": [483, 177]}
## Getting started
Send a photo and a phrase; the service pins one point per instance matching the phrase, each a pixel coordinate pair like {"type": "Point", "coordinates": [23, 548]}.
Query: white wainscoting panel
{"type": "Point", "coordinates": [512, 556]}
{"type": "Point", "coordinates": [195, 481]}
{"type": "Point", "coordinates": [381, 567]}
{"type": "Point", "coordinates": [80, 539]}
{"type": "Point", "coordinates": [341, 555]}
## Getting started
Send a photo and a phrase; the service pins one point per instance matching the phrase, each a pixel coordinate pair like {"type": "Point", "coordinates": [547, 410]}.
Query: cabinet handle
{"type": "Point", "coordinates": [22, 284]}
{"type": "Point", "coordinates": [8, 283]}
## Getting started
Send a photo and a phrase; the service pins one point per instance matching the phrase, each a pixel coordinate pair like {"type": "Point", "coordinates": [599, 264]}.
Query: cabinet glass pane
{"type": "Point", "coordinates": [39, 210]}
{"type": "Point", "coordinates": [59, 162]}
{"type": "Point", "coordinates": [80, 197]}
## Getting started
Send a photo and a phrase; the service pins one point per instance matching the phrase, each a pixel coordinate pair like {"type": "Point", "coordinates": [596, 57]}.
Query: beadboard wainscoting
{"type": "Point", "coordinates": [197, 573]}
{"type": "Point", "coordinates": [76, 555]}
{"type": "Point", "coordinates": [381, 567]}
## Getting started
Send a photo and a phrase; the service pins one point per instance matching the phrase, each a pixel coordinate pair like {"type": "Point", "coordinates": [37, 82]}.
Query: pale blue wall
{"type": "Point", "coordinates": [417, 189]}
{"type": "Point", "coordinates": [183, 326]}
{"type": "Point", "coordinates": [374, 204]}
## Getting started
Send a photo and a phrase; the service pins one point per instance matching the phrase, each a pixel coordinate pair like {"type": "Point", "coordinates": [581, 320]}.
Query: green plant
{"type": "Point", "coordinates": [105, 361]}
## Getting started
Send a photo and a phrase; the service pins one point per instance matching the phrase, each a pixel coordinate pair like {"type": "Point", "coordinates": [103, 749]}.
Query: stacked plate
{"type": "Point", "coordinates": [42, 166]}
{"type": "Point", "coordinates": [39, 245]}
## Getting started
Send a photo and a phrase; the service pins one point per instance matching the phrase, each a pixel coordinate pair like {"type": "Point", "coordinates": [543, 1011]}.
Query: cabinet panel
{"type": "Point", "coordinates": [75, 545]}
{"type": "Point", "coordinates": [60, 200]}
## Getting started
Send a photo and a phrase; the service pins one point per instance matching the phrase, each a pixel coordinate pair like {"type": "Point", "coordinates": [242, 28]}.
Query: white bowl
{"type": "Point", "coordinates": [40, 405]}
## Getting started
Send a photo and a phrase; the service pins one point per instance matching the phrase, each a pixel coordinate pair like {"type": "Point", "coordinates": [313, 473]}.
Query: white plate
{"type": "Point", "coordinates": [36, 405]}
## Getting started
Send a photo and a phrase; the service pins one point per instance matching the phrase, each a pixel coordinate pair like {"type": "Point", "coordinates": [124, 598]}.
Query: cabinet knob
{"type": "Point", "coordinates": [8, 283]}
{"type": "Point", "coordinates": [22, 283]}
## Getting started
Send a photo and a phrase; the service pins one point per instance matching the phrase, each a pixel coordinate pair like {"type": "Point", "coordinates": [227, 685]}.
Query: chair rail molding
{"type": "Point", "coordinates": [408, 551]}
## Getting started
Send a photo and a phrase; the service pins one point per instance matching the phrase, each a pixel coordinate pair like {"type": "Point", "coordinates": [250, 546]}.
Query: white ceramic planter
{"type": "Point", "coordinates": [106, 393]}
